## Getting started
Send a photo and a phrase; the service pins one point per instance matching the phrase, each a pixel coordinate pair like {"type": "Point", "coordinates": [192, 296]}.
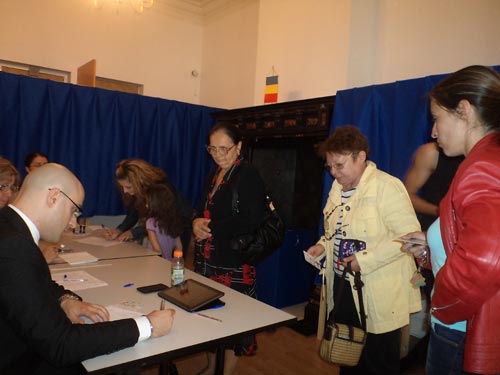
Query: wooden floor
{"type": "Point", "coordinates": [282, 352]}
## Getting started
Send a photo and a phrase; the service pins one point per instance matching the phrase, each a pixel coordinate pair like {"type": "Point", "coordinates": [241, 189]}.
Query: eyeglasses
{"type": "Point", "coordinates": [222, 150]}
{"type": "Point", "coordinates": [79, 210]}
{"type": "Point", "coordinates": [338, 166]}
{"type": "Point", "coordinates": [12, 188]}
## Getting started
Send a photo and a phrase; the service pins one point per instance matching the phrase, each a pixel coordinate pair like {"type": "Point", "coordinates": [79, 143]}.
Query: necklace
{"type": "Point", "coordinates": [326, 225]}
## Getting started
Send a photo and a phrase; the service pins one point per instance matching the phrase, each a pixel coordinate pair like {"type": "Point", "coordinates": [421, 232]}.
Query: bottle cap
{"type": "Point", "coordinates": [177, 253]}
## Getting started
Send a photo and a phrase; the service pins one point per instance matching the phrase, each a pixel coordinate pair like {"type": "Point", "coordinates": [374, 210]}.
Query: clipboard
{"type": "Point", "coordinates": [191, 295]}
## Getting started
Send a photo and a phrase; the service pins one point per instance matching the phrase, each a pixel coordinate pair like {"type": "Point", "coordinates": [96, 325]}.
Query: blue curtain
{"type": "Point", "coordinates": [395, 117]}
{"type": "Point", "coordinates": [90, 130]}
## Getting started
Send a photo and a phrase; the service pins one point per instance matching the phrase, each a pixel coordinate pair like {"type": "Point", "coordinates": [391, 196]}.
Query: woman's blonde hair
{"type": "Point", "coordinates": [7, 170]}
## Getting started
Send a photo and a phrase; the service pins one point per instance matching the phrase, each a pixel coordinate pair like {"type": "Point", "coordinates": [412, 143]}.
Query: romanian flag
{"type": "Point", "coordinates": [271, 95]}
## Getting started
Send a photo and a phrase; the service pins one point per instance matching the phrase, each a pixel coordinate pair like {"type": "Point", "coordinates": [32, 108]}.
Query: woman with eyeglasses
{"type": "Point", "coordinates": [9, 182]}
{"type": "Point", "coordinates": [9, 186]}
{"type": "Point", "coordinates": [368, 205]}
{"type": "Point", "coordinates": [216, 224]}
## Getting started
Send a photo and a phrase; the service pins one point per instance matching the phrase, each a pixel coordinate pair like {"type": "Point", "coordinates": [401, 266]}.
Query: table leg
{"type": "Point", "coordinates": [168, 368]}
{"type": "Point", "coordinates": [219, 360]}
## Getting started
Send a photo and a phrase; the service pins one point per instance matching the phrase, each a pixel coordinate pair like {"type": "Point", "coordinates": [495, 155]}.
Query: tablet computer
{"type": "Point", "coordinates": [191, 295]}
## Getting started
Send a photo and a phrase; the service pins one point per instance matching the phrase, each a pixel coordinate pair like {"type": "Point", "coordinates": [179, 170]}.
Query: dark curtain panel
{"type": "Point", "coordinates": [395, 117]}
{"type": "Point", "coordinates": [90, 130]}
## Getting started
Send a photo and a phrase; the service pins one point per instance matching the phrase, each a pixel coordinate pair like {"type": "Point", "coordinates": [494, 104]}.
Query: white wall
{"type": "Point", "coordinates": [316, 46]}
{"type": "Point", "coordinates": [157, 48]}
{"type": "Point", "coordinates": [229, 55]}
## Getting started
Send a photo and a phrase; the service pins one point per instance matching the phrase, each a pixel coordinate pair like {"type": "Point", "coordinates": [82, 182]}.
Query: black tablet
{"type": "Point", "coordinates": [191, 295]}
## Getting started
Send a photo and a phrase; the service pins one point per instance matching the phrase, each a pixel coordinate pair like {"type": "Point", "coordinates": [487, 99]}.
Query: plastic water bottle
{"type": "Point", "coordinates": [177, 266]}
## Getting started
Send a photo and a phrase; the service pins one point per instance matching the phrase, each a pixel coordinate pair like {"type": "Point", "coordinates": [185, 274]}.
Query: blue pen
{"type": "Point", "coordinates": [128, 285]}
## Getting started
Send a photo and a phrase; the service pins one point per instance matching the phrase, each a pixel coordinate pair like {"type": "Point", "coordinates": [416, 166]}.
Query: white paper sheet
{"type": "Point", "coordinates": [77, 280]}
{"type": "Point", "coordinates": [80, 257]}
{"type": "Point", "coordinates": [97, 241]}
{"type": "Point", "coordinates": [314, 261]}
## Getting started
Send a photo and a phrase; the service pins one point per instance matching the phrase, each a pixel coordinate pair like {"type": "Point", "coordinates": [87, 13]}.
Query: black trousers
{"type": "Point", "coordinates": [381, 352]}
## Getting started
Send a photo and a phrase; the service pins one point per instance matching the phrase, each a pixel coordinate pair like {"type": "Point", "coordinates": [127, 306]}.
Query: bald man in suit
{"type": "Point", "coordinates": [39, 320]}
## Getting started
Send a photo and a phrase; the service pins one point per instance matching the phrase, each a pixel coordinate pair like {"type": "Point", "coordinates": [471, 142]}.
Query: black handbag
{"type": "Point", "coordinates": [343, 344]}
{"type": "Point", "coordinates": [257, 246]}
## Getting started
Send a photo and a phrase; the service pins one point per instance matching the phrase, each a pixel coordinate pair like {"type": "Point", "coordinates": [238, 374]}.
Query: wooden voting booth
{"type": "Point", "coordinates": [87, 76]}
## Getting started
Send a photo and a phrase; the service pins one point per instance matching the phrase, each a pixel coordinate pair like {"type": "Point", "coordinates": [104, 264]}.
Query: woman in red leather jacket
{"type": "Point", "coordinates": [466, 111]}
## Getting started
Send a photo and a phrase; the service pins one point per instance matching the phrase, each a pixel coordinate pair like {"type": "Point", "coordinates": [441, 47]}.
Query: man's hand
{"type": "Point", "coordinates": [76, 309]}
{"type": "Point", "coordinates": [162, 321]}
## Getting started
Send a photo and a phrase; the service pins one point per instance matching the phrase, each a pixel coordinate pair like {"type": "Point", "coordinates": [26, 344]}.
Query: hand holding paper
{"type": "Point", "coordinates": [312, 260]}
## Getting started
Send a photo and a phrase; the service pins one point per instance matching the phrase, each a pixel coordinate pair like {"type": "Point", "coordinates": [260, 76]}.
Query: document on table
{"type": "Point", "coordinates": [79, 257]}
{"type": "Point", "coordinates": [117, 312]}
{"type": "Point", "coordinates": [97, 241]}
{"type": "Point", "coordinates": [77, 280]}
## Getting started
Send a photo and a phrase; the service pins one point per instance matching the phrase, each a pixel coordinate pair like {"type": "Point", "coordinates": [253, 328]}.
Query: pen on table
{"type": "Point", "coordinates": [162, 304]}
{"type": "Point", "coordinates": [209, 317]}
{"type": "Point", "coordinates": [66, 278]}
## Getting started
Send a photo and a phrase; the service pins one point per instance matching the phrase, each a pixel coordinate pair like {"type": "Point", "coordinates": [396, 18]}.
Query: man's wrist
{"type": "Point", "coordinates": [145, 327]}
{"type": "Point", "coordinates": [68, 297]}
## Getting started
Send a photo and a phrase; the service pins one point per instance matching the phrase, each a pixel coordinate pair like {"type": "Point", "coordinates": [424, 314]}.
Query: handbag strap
{"type": "Point", "coordinates": [358, 286]}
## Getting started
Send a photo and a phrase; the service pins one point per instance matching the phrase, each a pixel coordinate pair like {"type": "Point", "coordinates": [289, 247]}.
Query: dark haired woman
{"type": "Point", "coordinates": [164, 224]}
{"type": "Point", "coordinates": [216, 224]}
{"type": "Point", "coordinates": [464, 244]}
{"type": "Point", "coordinates": [35, 160]}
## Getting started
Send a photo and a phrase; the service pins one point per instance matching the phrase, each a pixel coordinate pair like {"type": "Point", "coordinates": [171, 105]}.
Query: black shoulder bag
{"type": "Point", "coordinates": [257, 246]}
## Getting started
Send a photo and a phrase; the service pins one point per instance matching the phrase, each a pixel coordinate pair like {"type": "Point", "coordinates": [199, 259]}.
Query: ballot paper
{"type": "Point", "coordinates": [80, 257]}
{"type": "Point", "coordinates": [77, 280]}
{"type": "Point", "coordinates": [97, 241]}
{"type": "Point", "coordinates": [316, 262]}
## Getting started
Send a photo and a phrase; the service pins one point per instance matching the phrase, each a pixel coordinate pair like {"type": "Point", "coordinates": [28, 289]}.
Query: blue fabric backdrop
{"type": "Point", "coordinates": [395, 117]}
{"type": "Point", "coordinates": [90, 130]}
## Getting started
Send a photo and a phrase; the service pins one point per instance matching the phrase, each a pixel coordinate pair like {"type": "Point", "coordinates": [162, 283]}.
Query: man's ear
{"type": "Point", "coordinates": [52, 197]}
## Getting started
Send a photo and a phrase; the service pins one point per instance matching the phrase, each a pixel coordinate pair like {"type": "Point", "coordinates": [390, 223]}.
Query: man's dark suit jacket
{"type": "Point", "coordinates": [35, 334]}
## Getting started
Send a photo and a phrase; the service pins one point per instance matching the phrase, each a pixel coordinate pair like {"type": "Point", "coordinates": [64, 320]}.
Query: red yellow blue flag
{"type": "Point", "coordinates": [271, 93]}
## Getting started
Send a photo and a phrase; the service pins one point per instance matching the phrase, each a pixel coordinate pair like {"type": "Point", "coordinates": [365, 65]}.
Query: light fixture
{"type": "Point", "coordinates": [137, 5]}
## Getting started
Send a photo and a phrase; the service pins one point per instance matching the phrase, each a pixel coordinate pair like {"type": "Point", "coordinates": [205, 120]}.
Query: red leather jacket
{"type": "Point", "coordinates": [468, 286]}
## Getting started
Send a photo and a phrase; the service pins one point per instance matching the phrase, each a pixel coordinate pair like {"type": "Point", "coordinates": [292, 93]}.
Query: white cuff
{"type": "Point", "coordinates": [144, 326]}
